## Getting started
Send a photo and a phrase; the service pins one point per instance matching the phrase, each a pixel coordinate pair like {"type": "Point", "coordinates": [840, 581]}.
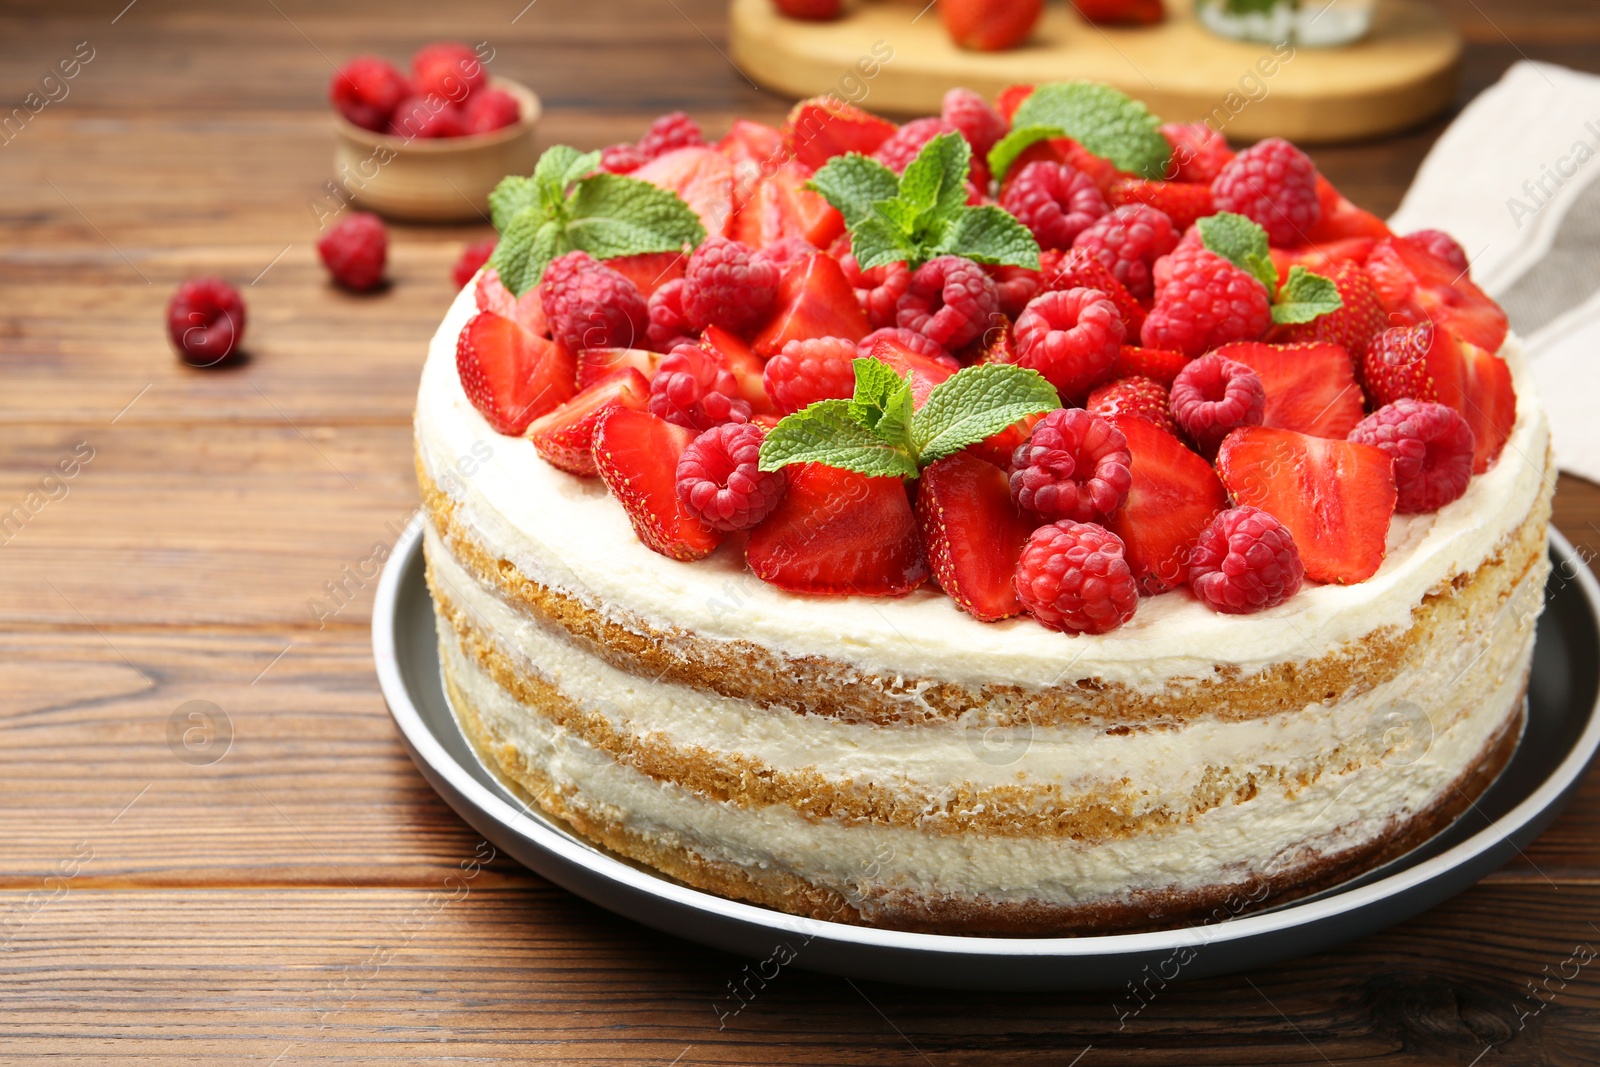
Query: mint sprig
{"type": "Point", "coordinates": [877, 433]}
{"type": "Point", "coordinates": [923, 213]}
{"type": "Point", "coordinates": [1303, 296]}
{"type": "Point", "coordinates": [1108, 123]}
{"type": "Point", "coordinates": [568, 205]}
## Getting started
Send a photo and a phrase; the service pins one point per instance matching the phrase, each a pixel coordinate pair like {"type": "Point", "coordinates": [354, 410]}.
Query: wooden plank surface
{"type": "Point", "coordinates": [289, 899]}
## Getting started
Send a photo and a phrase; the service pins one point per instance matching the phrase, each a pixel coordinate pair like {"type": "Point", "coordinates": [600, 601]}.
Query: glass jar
{"type": "Point", "coordinates": [1312, 23]}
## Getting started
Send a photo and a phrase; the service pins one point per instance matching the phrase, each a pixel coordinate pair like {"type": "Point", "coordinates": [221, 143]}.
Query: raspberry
{"type": "Point", "coordinates": [812, 369]}
{"type": "Point", "coordinates": [1072, 577]}
{"type": "Point", "coordinates": [473, 257]}
{"type": "Point", "coordinates": [1015, 286]}
{"type": "Point", "coordinates": [951, 300]}
{"type": "Point", "coordinates": [1071, 336]}
{"type": "Point", "coordinates": [720, 479]}
{"type": "Point", "coordinates": [1075, 465]}
{"type": "Point", "coordinates": [693, 389]}
{"type": "Point", "coordinates": [919, 343]}
{"type": "Point", "coordinates": [1198, 152]}
{"type": "Point", "coordinates": [726, 285]}
{"type": "Point", "coordinates": [623, 158]}
{"type": "Point", "coordinates": [965, 110]}
{"type": "Point", "coordinates": [1056, 202]}
{"type": "Point", "coordinates": [1143, 397]}
{"type": "Point", "coordinates": [877, 290]}
{"type": "Point", "coordinates": [366, 91]}
{"type": "Point", "coordinates": [1431, 445]}
{"type": "Point", "coordinates": [426, 118]}
{"type": "Point", "coordinates": [1129, 241]}
{"type": "Point", "coordinates": [205, 321]}
{"type": "Point", "coordinates": [1214, 395]}
{"type": "Point", "coordinates": [789, 251]}
{"type": "Point", "coordinates": [355, 250]}
{"type": "Point", "coordinates": [1206, 302]}
{"type": "Point", "coordinates": [1274, 183]}
{"type": "Point", "coordinates": [590, 305]}
{"type": "Point", "coordinates": [490, 110]}
{"type": "Point", "coordinates": [447, 70]}
{"type": "Point", "coordinates": [1245, 561]}
{"type": "Point", "coordinates": [904, 144]}
{"type": "Point", "coordinates": [1078, 268]}
{"type": "Point", "coordinates": [672, 130]}
{"type": "Point", "coordinates": [668, 326]}
{"type": "Point", "coordinates": [1442, 245]}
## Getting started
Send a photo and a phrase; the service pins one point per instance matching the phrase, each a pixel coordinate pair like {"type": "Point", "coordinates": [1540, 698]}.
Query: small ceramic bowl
{"type": "Point", "coordinates": [445, 179]}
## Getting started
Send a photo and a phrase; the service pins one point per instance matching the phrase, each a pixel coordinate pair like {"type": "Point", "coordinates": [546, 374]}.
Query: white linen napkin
{"type": "Point", "coordinates": [1514, 180]}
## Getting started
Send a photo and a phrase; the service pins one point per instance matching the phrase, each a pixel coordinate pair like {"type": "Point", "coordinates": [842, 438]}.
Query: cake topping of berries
{"type": "Point", "coordinates": [973, 534]}
{"type": "Point", "coordinates": [951, 301]}
{"type": "Point", "coordinates": [727, 285]}
{"type": "Point", "coordinates": [903, 145]}
{"type": "Point", "coordinates": [355, 251]}
{"type": "Point", "coordinates": [1135, 395]}
{"type": "Point", "coordinates": [1245, 561]}
{"type": "Point", "coordinates": [589, 305]}
{"type": "Point", "coordinates": [512, 375]}
{"type": "Point", "coordinates": [1208, 302]}
{"type": "Point", "coordinates": [1129, 241]}
{"type": "Point", "coordinates": [968, 112]}
{"type": "Point", "coordinates": [878, 290]}
{"type": "Point", "coordinates": [1274, 184]}
{"type": "Point", "coordinates": [1359, 318]}
{"type": "Point", "coordinates": [1215, 395]}
{"type": "Point", "coordinates": [1442, 245]}
{"type": "Point", "coordinates": [1054, 201]}
{"type": "Point", "coordinates": [806, 371]}
{"type": "Point", "coordinates": [672, 130]}
{"type": "Point", "coordinates": [1174, 495]}
{"type": "Point", "coordinates": [720, 479]}
{"type": "Point", "coordinates": [205, 321]}
{"type": "Point", "coordinates": [1076, 465]}
{"type": "Point", "coordinates": [1071, 337]}
{"type": "Point", "coordinates": [1072, 577]}
{"type": "Point", "coordinates": [669, 325]}
{"type": "Point", "coordinates": [637, 456]}
{"type": "Point", "coordinates": [1431, 446]}
{"type": "Point", "coordinates": [693, 388]}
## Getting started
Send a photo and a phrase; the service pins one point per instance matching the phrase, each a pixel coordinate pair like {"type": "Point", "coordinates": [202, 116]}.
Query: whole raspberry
{"type": "Point", "coordinates": [877, 290]}
{"type": "Point", "coordinates": [366, 91]}
{"type": "Point", "coordinates": [1442, 245]}
{"type": "Point", "coordinates": [1129, 241]}
{"type": "Point", "coordinates": [1245, 561]}
{"type": "Point", "coordinates": [1056, 202]}
{"type": "Point", "coordinates": [811, 369]}
{"type": "Point", "coordinates": [692, 388]}
{"type": "Point", "coordinates": [1071, 336]}
{"type": "Point", "coordinates": [667, 321]}
{"type": "Point", "coordinates": [1078, 268]}
{"type": "Point", "coordinates": [789, 251]}
{"type": "Point", "coordinates": [968, 112]}
{"type": "Point", "coordinates": [1075, 465]}
{"type": "Point", "coordinates": [426, 118]}
{"type": "Point", "coordinates": [621, 158]}
{"type": "Point", "coordinates": [448, 70]}
{"type": "Point", "coordinates": [205, 321]}
{"type": "Point", "coordinates": [1016, 286]}
{"type": "Point", "coordinates": [951, 300]}
{"type": "Point", "coordinates": [1143, 397]}
{"type": "Point", "coordinates": [721, 481]}
{"type": "Point", "coordinates": [1274, 183]}
{"type": "Point", "coordinates": [726, 285]}
{"type": "Point", "coordinates": [1206, 302]}
{"type": "Point", "coordinates": [472, 259]}
{"type": "Point", "coordinates": [1072, 577]}
{"type": "Point", "coordinates": [917, 342]}
{"type": "Point", "coordinates": [904, 144]}
{"type": "Point", "coordinates": [1198, 152]}
{"type": "Point", "coordinates": [1431, 445]}
{"type": "Point", "coordinates": [672, 130]}
{"type": "Point", "coordinates": [355, 251]}
{"type": "Point", "coordinates": [490, 110]}
{"type": "Point", "coordinates": [589, 305]}
{"type": "Point", "coordinates": [1214, 395]}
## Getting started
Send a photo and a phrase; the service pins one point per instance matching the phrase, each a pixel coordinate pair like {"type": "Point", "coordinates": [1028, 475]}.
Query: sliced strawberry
{"type": "Point", "coordinates": [998, 448]}
{"type": "Point", "coordinates": [1341, 219]}
{"type": "Point", "coordinates": [825, 126]}
{"type": "Point", "coordinates": [839, 532]}
{"type": "Point", "coordinates": [1359, 319]}
{"type": "Point", "coordinates": [1173, 498]}
{"type": "Point", "coordinates": [781, 207]}
{"type": "Point", "coordinates": [926, 373]}
{"type": "Point", "coordinates": [752, 148]}
{"type": "Point", "coordinates": [1184, 202]}
{"type": "Point", "coordinates": [637, 457]}
{"type": "Point", "coordinates": [598, 364]}
{"type": "Point", "coordinates": [512, 376]}
{"type": "Point", "coordinates": [492, 295]}
{"type": "Point", "coordinates": [1320, 258]}
{"type": "Point", "coordinates": [1335, 497]}
{"type": "Point", "coordinates": [650, 270]}
{"type": "Point", "coordinates": [1425, 363]}
{"type": "Point", "coordinates": [816, 301]}
{"type": "Point", "coordinates": [973, 534]}
{"type": "Point", "coordinates": [1009, 99]}
{"type": "Point", "coordinates": [702, 177]}
{"type": "Point", "coordinates": [1103, 172]}
{"type": "Point", "coordinates": [1488, 402]}
{"type": "Point", "coordinates": [565, 436]}
{"type": "Point", "coordinates": [1311, 388]}
{"type": "Point", "coordinates": [1417, 286]}
{"type": "Point", "coordinates": [1157, 364]}
{"type": "Point", "coordinates": [745, 364]}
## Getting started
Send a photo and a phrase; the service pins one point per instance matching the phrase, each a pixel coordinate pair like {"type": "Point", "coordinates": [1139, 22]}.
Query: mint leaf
{"type": "Point", "coordinates": [1305, 296]}
{"type": "Point", "coordinates": [1106, 122]}
{"type": "Point", "coordinates": [524, 249]}
{"type": "Point", "coordinates": [825, 433]}
{"type": "Point", "coordinates": [1013, 144]}
{"type": "Point", "coordinates": [614, 215]}
{"type": "Point", "coordinates": [874, 243]}
{"type": "Point", "coordinates": [987, 234]}
{"type": "Point", "coordinates": [1241, 242]}
{"type": "Point", "coordinates": [561, 165]}
{"type": "Point", "coordinates": [936, 181]}
{"type": "Point", "coordinates": [882, 401]}
{"type": "Point", "coordinates": [510, 198]}
{"type": "Point", "coordinates": [852, 183]}
{"type": "Point", "coordinates": [975, 403]}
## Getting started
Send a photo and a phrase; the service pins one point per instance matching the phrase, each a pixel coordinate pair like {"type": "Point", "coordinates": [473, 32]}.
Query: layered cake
{"type": "Point", "coordinates": [1009, 522]}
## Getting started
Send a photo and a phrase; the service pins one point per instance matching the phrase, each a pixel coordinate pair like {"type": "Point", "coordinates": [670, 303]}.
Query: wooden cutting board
{"type": "Point", "coordinates": [1401, 73]}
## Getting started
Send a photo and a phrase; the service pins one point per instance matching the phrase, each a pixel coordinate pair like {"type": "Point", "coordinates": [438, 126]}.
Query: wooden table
{"type": "Point", "coordinates": [297, 898]}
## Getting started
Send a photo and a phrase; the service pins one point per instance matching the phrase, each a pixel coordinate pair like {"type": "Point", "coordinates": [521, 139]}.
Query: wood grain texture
{"type": "Point", "coordinates": [290, 899]}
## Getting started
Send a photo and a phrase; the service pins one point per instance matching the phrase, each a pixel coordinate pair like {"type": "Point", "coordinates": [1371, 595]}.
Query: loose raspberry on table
{"type": "Point", "coordinates": [1016, 286]}
{"type": "Point", "coordinates": [727, 285]}
{"type": "Point", "coordinates": [1198, 152]}
{"type": "Point", "coordinates": [1054, 201]}
{"type": "Point", "coordinates": [668, 326]}
{"type": "Point", "coordinates": [968, 112]}
{"type": "Point", "coordinates": [355, 251]}
{"type": "Point", "coordinates": [720, 480]}
{"type": "Point", "coordinates": [205, 321]}
{"type": "Point", "coordinates": [1214, 395]}
{"type": "Point", "coordinates": [1245, 561]}
{"type": "Point", "coordinates": [1135, 395]}
{"type": "Point", "coordinates": [1072, 577]}
{"type": "Point", "coordinates": [877, 290]}
{"type": "Point", "coordinates": [589, 305]}
{"type": "Point", "coordinates": [1075, 465]}
{"type": "Point", "coordinates": [904, 144]}
{"type": "Point", "coordinates": [951, 300]}
{"type": "Point", "coordinates": [1431, 445]}
{"type": "Point", "coordinates": [1129, 241]}
{"type": "Point", "coordinates": [811, 369]}
{"type": "Point", "coordinates": [1442, 245]}
{"type": "Point", "coordinates": [1275, 184]}
{"type": "Point", "coordinates": [919, 343]}
{"type": "Point", "coordinates": [1071, 336]}
{"type": "Point", "coordinates": [623, 158]}
{"type": "Point", "coordinates": [367, 90]}
{"type": "Point", "coordinates": [672, 130]}
{"type": "Point", "coordinates": [1205, 302]}
{"type": "Point", "coordinates": [692, 388]}
{"type": "Point", "coordinates": [472, 259]}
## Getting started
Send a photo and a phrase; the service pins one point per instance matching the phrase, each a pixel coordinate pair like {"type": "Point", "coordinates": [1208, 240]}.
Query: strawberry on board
{"type": "Point", "coordinates": [1425, 363]}
{"type": "Point", "coordinates": [1341, 219]}
{"type": "Point", "coordinates": [746, 366]}
{"type": "Point", "coordinates": [1310, 388]}
{"type": "Point", "coordinates": [973, 534]}
{"type": "Point", "coordinates": [1418, 286]}
{"type": "Point", "coordinates": [512, 376]}
{"type": "Point", "coordinates": [565, 436]}
{"type": "Point", "coordinates": [702, 177]}
{"type": "Point", "coordinates": [1336, 497]}
{"type": "Point", "coordinates": [1174, 496]}
{"type": "Point", "coordinates": [637, 454]}
{"type": "Point", "coordinates": [838, 532]}
{"type": "Point", "coordinates": [825, 126]}
{"type": "Point", "coordinates": [492, 295]}
{"type": "Point", "coordinates": [1157, 364]}
{"type": "Point", "coordinates": [815, 300]}
{"type": "Point", "coordinates": [781, 207]}
{"type": "Point", "coordinates": [598, 364]}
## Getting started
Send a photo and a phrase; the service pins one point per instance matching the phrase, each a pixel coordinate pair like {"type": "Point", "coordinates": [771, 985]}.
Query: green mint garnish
{"type": "Point", "coordinates": [1018, 141]}
{"type": "Point", "coordinates": [877, 433]}
{"type": "Point", "coordinates": [923, 213]}
{"type": "Point", "coordinates": [1304, 296]}
{"type": "Point", "coordinates": [568, 205]}
{"type": "Point", "coordinates": [1108, 123]}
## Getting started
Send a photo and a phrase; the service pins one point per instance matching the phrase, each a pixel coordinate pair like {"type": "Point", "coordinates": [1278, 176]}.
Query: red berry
{"type": "Point", "coordinates": [669, 326]}
{"type": "Point", "coordinates": [622, 158]}
{"type": "Point", "coordinates": [367, 90]}
{"type": "Point", "coordinates": [589, 305]}
{"type": "Point", "coordinates": [1206, 302]}
{"type": "Point", "coordinates": [1077, 268]}
{"type": "Point", "coordinates": [1275, 184]}
{"type": "Point", "coordinates": [1417, 286]}
{"type": "Point", "coordinates": [1245, 561]}
{"type": "Point", "coordinates": [1183, 202]}
{"type": "Point", "coordinates": [1174, 495]}
{"type": "Point", "coordinates": [1442, 245]}
{"type": "Point", "coordinates": [965, 110]}
{"type": "Point", "coordinates": [822, 127]}
{"type": "Point", "coordinates": [878, 290]}
{"type": "Point", "coordinates": [989, 25]}
{"type": "Point", "coordinates": [973, 534]}
{"type": "Point", "coordinates": [727, 285]}
{"type": "Point", "coordinates": [1016, 286]}
{"type": "Point", "coordinates": [447, 70]}
{"type": "Point", "coordinates": [472, 259]}
{"type": "Point", "coordinates": [672, 130]}
{"type": "Point", "coordinates": [637, 455]}
{"type": "Point", "coordinates": [1137, 396]}
{"type": "Point", "coordinates": [1071, 336]}
{"type": "Point", "coordinates": [205, 321]}
{"type": "Point", "coordinates": [916, 343]}
{"type": "Point", "coordinates": [511, 375]}
{"type": "Point", "coordinates": [904, 144]}
{"type": "Point", "coordinates": [1359, 319]}
{"type": "Point", "coordinates": [1215, 395]}
{"type": "Point", "coordinates": [1010, 98]}
{"type": "Point", "coordinates": [490, 294]}
{"type": "Point", "coordinates": [720, 479]}
{"type": "Point", "coordinates": [426, 118]}
{"type": "Point", "coordinates": [815, 10]}
{"type": "Point", "coordinates": [1054, 201]}
{"type": "Point", "coordinates": [692, 388]}
{"type": "Point", "coordinates": [787, 252]}
{"type": "Point", "coordinates": [1310, 388]}
{"type": "Point", "coordinates": [1075, 465]}
{"type": "Point", "coordinates": [355, 250]}
{"type": "Point", "coordinates": [1432, 447]}
{"type": "Point", "coordinates": [951, 300]}
{"type": "Point", "coordinates": [1129, 241]}
{"type": "Point", "coordinates": [1198, 152]}
{"type": "Point", "coordinates": [565, 436]}
{"type": "Point", "coordinates": [1156, 364]}
{"type": "Point", "coordinates": [1072, 578]}
{"type": "Point", "coordinates": [490, 110]}
{"type": "Point", "coordinates": [811, 369]}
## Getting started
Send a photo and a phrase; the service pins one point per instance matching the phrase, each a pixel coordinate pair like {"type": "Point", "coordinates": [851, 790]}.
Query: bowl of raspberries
{"type": "Point", "coordinates": [431, 144]}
